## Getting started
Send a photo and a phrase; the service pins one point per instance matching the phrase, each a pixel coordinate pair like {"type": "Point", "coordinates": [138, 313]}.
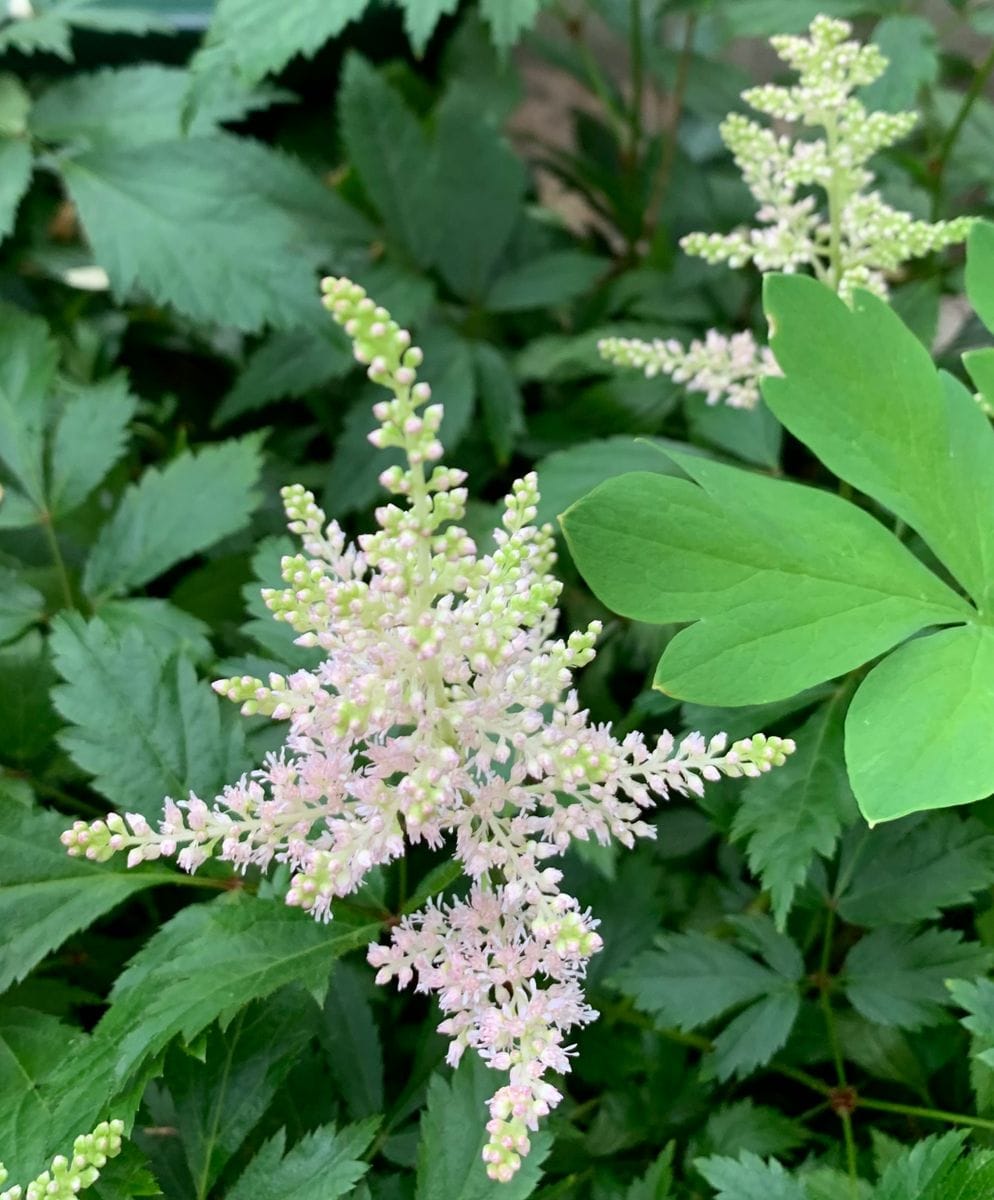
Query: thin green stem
{"type": "Point", "coordinates": [836, 200]}
{"type": "Point", "coordinates": [852, 1169]}
{"type": "Point", "coordinates": [57, 559]}
{"type": "Point", "coordinates": [970, 98]}
{"type": "Point", "coordinates": [832, 1034]}
{"type": "Point", "coordinates": [926, 1114]}
{"type": "Point", "coordinates": [668, 157]}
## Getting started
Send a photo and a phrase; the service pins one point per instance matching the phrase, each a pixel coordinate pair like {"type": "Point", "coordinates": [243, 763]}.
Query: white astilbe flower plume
{"type": "Point", "coordinates": [818, 209]}
{"type": "Point", "coordinates": [443, 712]}
{"type": "Point", "coordinates": [67, 1177]}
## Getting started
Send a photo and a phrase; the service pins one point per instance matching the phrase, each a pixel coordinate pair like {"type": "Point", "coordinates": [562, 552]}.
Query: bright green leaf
{"type": "Point", "coordinates": [166, 628]}
{"type": "Point", "coordinates": [916, 442]}
{"type": "Point", "coordinates": [916, 731]}
{"type": "Point", "coordinates": [145, 727]}
{"type": "Point", "coordinates": [453, 1137]}
{"type": "Point", "coordinates": [657, 1182]}
{"type": "Point", "coordinates": [980, 271]}
{"type": "Point", "coordinates": [508, 19]}
{"type": "Point", "coordinates": [894, 976]}
{"type": "Point", "coordinates": [790, 586]}
{"type": "Point", "coordinates": [173, 513]}
{"type": "Point", "coordinates": [15, 104]}
{"type": "Point", "coordinates": [791, 815]}
{"type": "Point", "coordinates": [422, 16]}
{"type": "Point", "coordinates": [980, 365]}
{"type": "Point", "coordinates": [89, 439]}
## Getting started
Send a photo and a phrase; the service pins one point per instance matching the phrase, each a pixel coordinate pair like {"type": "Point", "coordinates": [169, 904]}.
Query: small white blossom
{"type": "Point", "coordinates": [67, 1177]}
{"type": "Point", "coordinates": [443, 712]}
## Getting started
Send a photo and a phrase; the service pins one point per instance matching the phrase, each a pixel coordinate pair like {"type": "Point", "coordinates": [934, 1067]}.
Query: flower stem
{"type": "Point", "coordinates": [57, 559]}
{"type": "Point", "coordinates": [926, 1114]}
{"type": "Point", "coordinates": [970, 97]}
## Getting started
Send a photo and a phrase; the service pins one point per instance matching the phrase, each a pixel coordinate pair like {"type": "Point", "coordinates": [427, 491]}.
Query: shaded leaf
{"type": "Point", "coordinates": [323, 1165]}
{"type": "Point", "coordinates": [88, 440]}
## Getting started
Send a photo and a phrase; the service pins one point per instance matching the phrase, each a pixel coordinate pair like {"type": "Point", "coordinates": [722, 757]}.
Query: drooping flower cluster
{"type": "Point", "coordinates": [818, 209]}
{"type": "Point", "coordinates": [67, 1177]}
{"type": "Point", "coordinates": [442, 711]}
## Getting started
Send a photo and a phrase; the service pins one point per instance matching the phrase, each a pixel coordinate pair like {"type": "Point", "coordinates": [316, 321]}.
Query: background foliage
{"type": "Point", "coordinates": [773, 987]}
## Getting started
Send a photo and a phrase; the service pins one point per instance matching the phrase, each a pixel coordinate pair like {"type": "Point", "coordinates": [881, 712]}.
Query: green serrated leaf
{"type": "Point", "coordinates": [323, 1165]}
{"type": "Point", "coordinates": [790, 816]}
{"type": "Point", "coordinates": [453, 1137]}
{"type": "Point", "coordinates": [27, 375]}
{"type": "Point", "coordinates": [174, 513]}
{"type": "Point", "coordinates": [21, 605]}
{"type": "Point", "coordinates": [916, 442]}
{"type": "Point", "coordinates": [167, 629]}
{"type": "Point", "coordinates": [207, 961]}
{"type": "Point", "coordinates": [46, 896]}
{"type": "Point", "coordinates": [286, 364]}
{"type": "Point", "coordinates": [391, 156]}
{"type": "Point", "coordinates": [755, 1035]}
{"type": "Point", "coordinates": [757, 1128]}
{"type": "Point", "coordinates": [657, 1182]}
{"type": "Point", "coordinates": [748, 1177]}
{"type": "Point", "coordinates": [790, 586]}
{"type": "Point", "coordinates": [900, 874]}
{"type": "Point", "coordinates": [916, 728]}
{"type": "Point", "coordinates": [219, 1101]}
{"type": "Point", "coordinates": [894, 976]}
{"type": "Point", "coordinates": [144, 726]}
{"type": "Point", "coordinates": [421, 17]}
{"type": "Point", "coordinates": [190, 223]}
{"type": "Point", "coordinates": [15, 174]}
{"type": "Point", "coordinates": [508, 19]}
{"type": "Point", "coordinates": [27, 718]}
{"type": "Point", "coordinates": [88, 440]}
{"type": "Point", "coordinates": [255, 38]}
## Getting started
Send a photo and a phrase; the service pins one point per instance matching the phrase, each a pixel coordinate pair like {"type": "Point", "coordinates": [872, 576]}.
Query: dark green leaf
{"type": "Point", "coordinates": [549, 280]}
{"type": "Point", "coordinates": [894, 976]}
{"type": "Point", "coordinates": [352, 1041]}
{"type": "Point", "coordinates": [21, 605]}
{"type": "Point", "coordinates": [749, 1178]}
{"type": "Point", "coordinates": [791, 815]}
{"type": "Point", "coordinates": [15, 175]}
{"type": "Point", "coordinates": [479, 189]}
{"type": "Point", "coordinates": [909, 43]}
{"type": "Point", "coordinates": [27, 374]}
{"type": "Point", "coordinates": [500, 399]}
{"type": "Point", "coordinates": [899, 874]}
{"type": "Point", "coordinates": [391, 155]}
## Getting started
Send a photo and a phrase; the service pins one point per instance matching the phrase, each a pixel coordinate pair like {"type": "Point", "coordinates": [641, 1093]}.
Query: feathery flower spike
{"type": "Point", "coordinates": [443, 712]}
{"type": "Point", "coordinates": [67, 1177]}
{"type": "Point", "coordinates": [854, 239]}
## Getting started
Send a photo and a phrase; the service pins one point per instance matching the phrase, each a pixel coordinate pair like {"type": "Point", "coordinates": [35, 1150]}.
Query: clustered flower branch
{"type": "Point", "coordinates": [818, 209]}
{"type": "Point", "coordinates": [443, 713]}
{"type": "Point", "coordinates": [67, 1177]}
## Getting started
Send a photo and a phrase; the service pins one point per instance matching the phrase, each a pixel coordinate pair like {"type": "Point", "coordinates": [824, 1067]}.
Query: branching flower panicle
{"type": "Point", "coordinates": [818, 209]}
{"type": "Point", "coordinates": [443, 712]}
{"type": "Point", "coordinates": [67, 1177]}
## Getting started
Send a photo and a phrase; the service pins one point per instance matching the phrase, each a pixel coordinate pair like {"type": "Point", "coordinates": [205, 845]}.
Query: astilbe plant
{"type": "Point", "coordinates": [443, 711]}
{"type": "Point", "coordinates": [818, 209]}
{"type": "Point", "coordinates": [67, 1177]}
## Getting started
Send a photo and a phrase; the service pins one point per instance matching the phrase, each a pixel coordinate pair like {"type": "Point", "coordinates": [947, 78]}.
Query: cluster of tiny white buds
{"type": "Point", "coordinates": [853, 239]}
{"type": "Point", "coordinates": [725, 369]}
{"type": "Point", "coordinates": [67, 1177]}
{"type": "Point", "coordinates": [443, 709]}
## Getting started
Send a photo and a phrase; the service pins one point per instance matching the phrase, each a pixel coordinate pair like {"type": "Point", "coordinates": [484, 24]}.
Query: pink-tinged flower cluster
{"type": "Point", "coordinates": [443, 712]}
